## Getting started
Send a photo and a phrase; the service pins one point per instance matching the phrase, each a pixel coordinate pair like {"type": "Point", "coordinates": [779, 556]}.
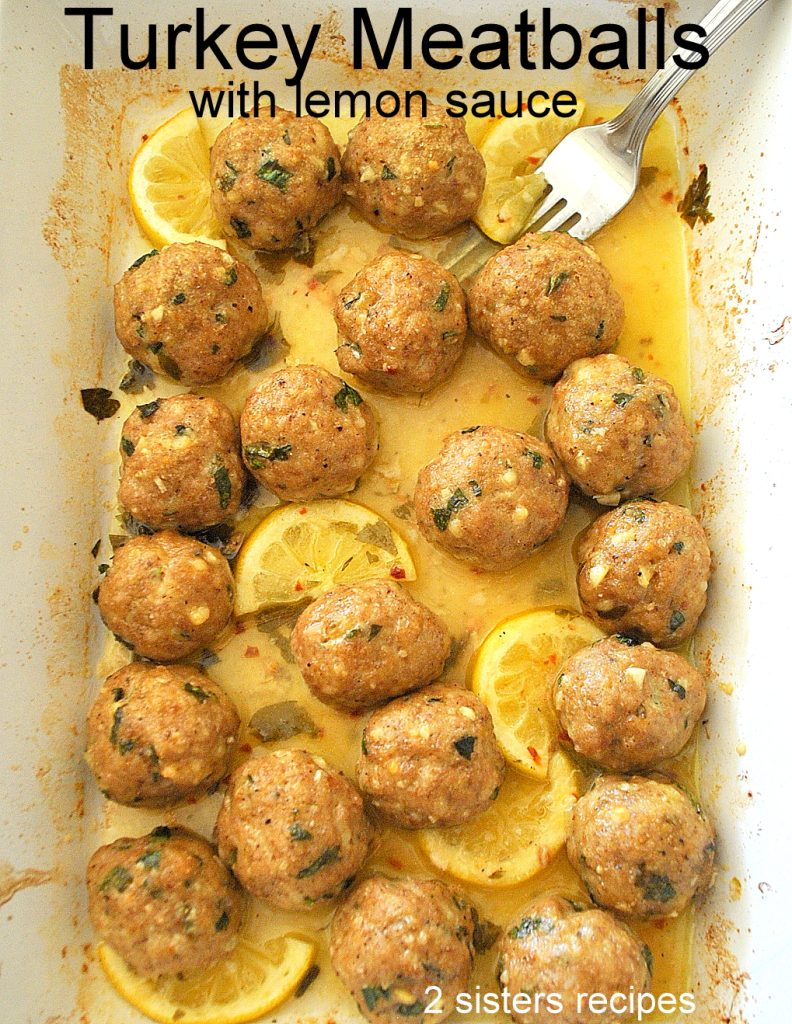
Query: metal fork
{"type": "Point", "coordinates": [593, 172]}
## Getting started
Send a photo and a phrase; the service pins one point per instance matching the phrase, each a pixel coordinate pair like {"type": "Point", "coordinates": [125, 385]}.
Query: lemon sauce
{"type": "Point", "coordinates": [644, 250]}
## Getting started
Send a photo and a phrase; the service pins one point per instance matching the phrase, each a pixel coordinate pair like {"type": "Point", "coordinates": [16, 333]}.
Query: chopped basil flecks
{"type": "Point", "coordinates": [349, 303]}
{"type": "Point", "coordinates": [222, 922]}
{"type": "Point", "coordinates": [230, 276]}
{"type": "Point", "coordinates": [387, 173]}
{"type": "Point", "coordinates": [475, 487]}
{"type": "Point", "coordinates": [555, 281]}
{"type": "Point", "coordinates": [328, 856]}
{"type": "Point", "coordinates": [638, 374]}
{"type": "Point", "coordinates": [678, 546]}
{"type": "Point", "coordinates": [622, 398]}
{"type": "Point", "coordinates": [117, 878]}
{"type": "Point", "coordinates": [450, 165]}
{"type": "Point", "coordinates": [274, 174]}
{"type": "Point", "coordinates": [347, 396]}
{"type": "Point", "coordinates": [222, 482]}
{"type": "Point", "coordinates": [676, 620]}
{"type": "Point", "coordinates": [198, 692]}
{"type": "Point", "coordinates": [441, 301]}
{"type": "Point", "coordinates": [535, 457]}
{"type": "Point", "coordinates": [99, 402]}
{"type": "Point", "coordinates": [241, 228]}
{"type": "Point", "coordinates": [258, 455]}
{"type": "Point", "coordinates": [150, 859]}
{"type": "Point", "coordinates": [373, 993]}
{"type": "Point", "coordinates": [178, 299]}
{"type": "Point", "coordinates": [415, 1009]}
{"type": "Point", "coordinates": [470, 430]}
{"type": "Point", "coordinates": [127, 446]}
{"type": "Point", "coordinates": [442, 516]}
{"type": "Point", "coordinates": [142, 259]}
{"type": "Point", "coordinates": [227, 181]}
{"type": "Point", "coordinates": [694, 206]}
{"type": "Point", "coordinates": [169, 365]}
{"type": "Point", "coordinates": [137, 376]}
{"type": "Point", "coordinates": [656, 887]}
{"type": "Point", "coordinates": [298, 833]}
{"type": "Point", "coordinates": [599, 331]}
{"type": "Point", "coordinates": [330, 166]}
{"type": "Point", "coordinates": [677, 688]}
{"type": "Point", "coordinates": [149, 408]}
{"type": "Point", "coordinates": [530, 926]}
{"type": "Point", "coordinates": [465, 746]}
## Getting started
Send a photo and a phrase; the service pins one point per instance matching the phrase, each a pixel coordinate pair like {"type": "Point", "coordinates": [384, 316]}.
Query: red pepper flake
{"type": "Point", "coordinates": [239, 628]}
{"type": "Point", "coordinates": [398, 573]}
{"type": "Point", "coordinates": [298, 586]}
{"type": "Point", "coordinates": [564, 737]}
{"type": "Point", "coordinates": [534, 161]}
{"type": "Point", "coordinates": [313, 284]}
{"type": "Point", "coordinates": [668, 196]}
{"type": "Point", "coordinates": [552, 659]}
{"type": "Point", "coordinates": [245, 748]}
{"type": "Point", "coordinates": [395, 863]}
{"type": "Point", "coordinates": [534, 755]}
{"type": "Point", "coordinates": [251, 652]}
{"type": "Point", "coordinates": [303, 511]}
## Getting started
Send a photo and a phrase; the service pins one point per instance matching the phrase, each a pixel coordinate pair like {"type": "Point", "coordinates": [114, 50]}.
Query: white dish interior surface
{"type": "Point", "coordinates": [58, 467]}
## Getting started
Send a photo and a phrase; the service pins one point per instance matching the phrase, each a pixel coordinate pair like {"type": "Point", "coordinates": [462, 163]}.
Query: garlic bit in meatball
{"type": "Point", "coordinates": [416, 176]}
{"type": "Point", "coordinates": [359, 646]}
{"type": "Point", "coordinates": [431, 759]}
{"type": "Point", "coordinates": [160, 734]}
{"type": "Point", "coordinates": [641, 846]}
{"type": "Point", "coordinates": [180, 464]}
{"type": "Point", "coordinates": [491, 497]}
{"type": "Point", "coordinates": [569, 952]}
{"type": "Point", "coordinates": [618, 429]}
{"type": "Point", "coordinates": [189, 312]}
{"type": "Point", "coordinates": [274, 178]}
{"type": "Point", "coordinates": [546, 301]}
{"type": "Point", "coordinates": [166, 596]}
{"type": "Point", "coordinates": [627, 706]}
{"type": "Point", "coordinates": [307, 434]}
{"type": "Point", "coordinates": [401, 323]}
{"type": "Point", "coordinates": [292, 829]}
{"type": "Point", "coordinates": [164, 902]}
{"type": "Point", "coordinates": [392, 940]}
{"type": "Point", "coordinates": [643, 570]}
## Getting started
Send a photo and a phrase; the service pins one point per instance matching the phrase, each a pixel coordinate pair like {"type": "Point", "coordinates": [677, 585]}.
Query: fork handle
{"type": "Point", "coordinates": [628, 130]}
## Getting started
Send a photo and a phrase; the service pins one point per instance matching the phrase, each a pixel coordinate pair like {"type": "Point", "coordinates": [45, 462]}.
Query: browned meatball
{"type": "Point", "coordinates": [627, 706]}
{"type": "Point", "coordinates": [160, 734]}
{"type": "Point", "coordinates": [546, 301]}
{"type": "Point", "coordinates": [618, 429]}
{"type": "Point", "coordinates": [417, 176]}
{"type": "Point", "coordinates": [274, 178]}
{"type": "Point", "coordinates": [307, 434]}
{"type": "Point", "coordinates": [571, 952]}
{"type": "Point", "coordinates": [292, 829]}
{"type": "Point", "coordinates": [164, 902]}
{"type": "Point", "coordinates": [491, 497]}
{"type": "Point", "coordinates": [190, 311]}
{"type": "Point", "coordinates": [359, 646]}
{"type": "Point", "coordinates": [393, 939]}
{"type": "Point", "coordinates": [401, 323]}
{"type": "Point", "coordinates": [166, 596]}
{"type": "Point", "coordinates": [180, 463]}
{"type": "Point", "coordinates": [431, 759]}
{"type": "Point", "coordinates": [641, 846]}
{"type": "Point", "coordinates": [643, 570]}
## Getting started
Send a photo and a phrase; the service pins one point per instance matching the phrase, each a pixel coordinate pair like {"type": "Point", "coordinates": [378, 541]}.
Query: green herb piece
{"type": "Point", "coordinates": [155, 347]}
{"type": "Point", "coordinates": [465, 746]}
{"type": "Point", "coordinates": [127, 446]}
{"type": "Point", "coordinates": [117, 719]}
{"type": "Point", "coordinates": [475, 488]}
{"type": "Point", "coordinates": [441, 301]}
{"type": "Point", "coordinates": [258, 455]}
{"type": "Point", "coordinates": [230, 276]}
{"type": "Point", "coordinates": [649, 958]}
{"type": "Point", "coordinates": [328, 856]}
{"type": "Point", "coordinates": [281, 721]}
{"type": "Point", "coordinates": [379, 535]}
{"type": "Point", "coordinates": [628, 641]}
{"type": "Point", "coordinates": [555, 281]}
{"type": "Point", "coordinates": [298, 833]}
{"type": "Point", "coordinates": [198, 692]}
{"type": "Point", "coordinates": [169, 365]}
{"type": "Point", "coordinates": [349, 303]}
{"type": "Point", "coordinates": [531, 926]}
{"type": "Point", "coordinates": [227, 181]}
{"type": "Point", "coordinates": [140, 331]}
{"type": "Point", "coordinates": [470, 430]}
{"type": "Point", "coordinates": [308, 979]}
{"type": "Point", "coordinates": [638, 374]}
{"type": "Point", "coordinates": [373, 993]}
{"type": "Point", "coordinates": [387, 173]}
{"type": "Point", "coordinates": [178, 299]}
{"type": "Point", "coordinates": [118, 694]}
{"type": "Point", "coordinates": [117, 878]}
{"type": "Point", "coordinates": [535, 457]}
{"type": "Point", "coordinates": [558, 317]}
{"type": "Point", "coordinates": [137, 376]}
{"type": "Point", "coordinates": [678, 546]}
{"type": "Point", "coordinates": [363, 744]}
{"type": "Point", "coordinates": [485, 934]}
{"type": "Point", "coordinates": [353, 633]}
{"type": "Point", "coordinates": [149, 408]}
{"type": "Point", "coordinates": [599, 331]}
{"type": "Point", "coordinates": [450, 165]}
{"type": "Point", "coordinates": [694, 205]}
{"type": "Point", "coordinates": [222, 922]}
{"type": "Point", "coordinates": [374, 630]}
{"type": "Point", "coordinates": [99, 402]}
{"type": "Point", "coordinates": [347, 396]}
{"type": "Point", "coordinates": [656, 887]}
{"type": "Point", "coordinates": [142, 259]}
{"type": "Point", "coordinates": [241, 228]}
{"type": "Point", "coordinates": [125, 746]}
{"type": "Point", "coordinates": [621, 398]}
{"type": "Point", "coordinates": [161, 832]}
{"type": "Point", "coordinates": [676, 620]}
{"type": "Point", "coordinates": [331, 168]}
{"type": "Point", "coordinates": [150, 859]}
{"type": "Point", "coordinates": [410, 1009]}
{"type": "Point", "coordinates": [221, 317]}
{"type": "Point", "coordinates": [637, 515]}
{"type": "Point", "coordinates": [442, 516]}
{"type": "Point", "coordinates": [677, 688]}
{"type": "Point", "coordinates": [274, 174]}
{"type": "Point", "coordinates": [222, 482]}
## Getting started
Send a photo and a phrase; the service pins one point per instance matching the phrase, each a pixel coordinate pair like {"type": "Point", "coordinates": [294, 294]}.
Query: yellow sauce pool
{"type": "Point", "coordinates": [644, 250]}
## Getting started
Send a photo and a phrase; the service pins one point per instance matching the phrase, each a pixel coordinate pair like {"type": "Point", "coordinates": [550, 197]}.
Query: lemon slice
{"type": "Point", "coordinates": [169, 184]}
{"type": "Point", "coordinates": [513, 151]}
{"type": "Point", "coordinates": [513, 672]}
{"type": "Point", "coordinates": [300, 551]}
{"type": "Point", "coordinates": [517, 836]}
{"type": "Point", "coordinates": [252, 981]}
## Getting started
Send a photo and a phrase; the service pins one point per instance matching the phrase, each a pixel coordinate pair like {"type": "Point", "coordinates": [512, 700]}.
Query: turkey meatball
{"type": "Point", "coordinates": [627, 706]}
{"type": "Point", "coordinates": [362, 645]}
{"type": "Point", "coordinates": [556, 947]}
{"type": "Point", "coordinates": [431, 759]}
{"type": "Point", "coordinates": [164, 902]}
{"type": "Point", "coordinates": [180, 463]}
{"type": "Point", "coordinates": [307, 434]}
{"type": "Point", "coordinates": [274, 178]}
{"type": "Point", "coordinates": [166, 596]}
{"type": "Point", "coordinates": [641, 846]}
{"type": "Point", "coordinates": [189, 312]}
{"type": "Point", "coordinates": [618, 429]}
{"type": "Point", "coordinates": [401, 323]}
{"type": "Point", "coordinates": [643, 570]}
{"type": "Point", "coordinates": [393, 939]}
{"type": "Point", "coordinates": [160, 734]}
{"type": "Point", "coordinates": [491, 497]}
{"type": "Point", "coordinates": [546, 301]}
{"type": "Point", "coordinates": [416, 176]}
{"type": "Point", "coordinates": [292, 829]}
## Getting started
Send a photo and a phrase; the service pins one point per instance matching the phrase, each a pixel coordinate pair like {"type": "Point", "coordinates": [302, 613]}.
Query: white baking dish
{"type": "Point", "coordinates": [64, 209]}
